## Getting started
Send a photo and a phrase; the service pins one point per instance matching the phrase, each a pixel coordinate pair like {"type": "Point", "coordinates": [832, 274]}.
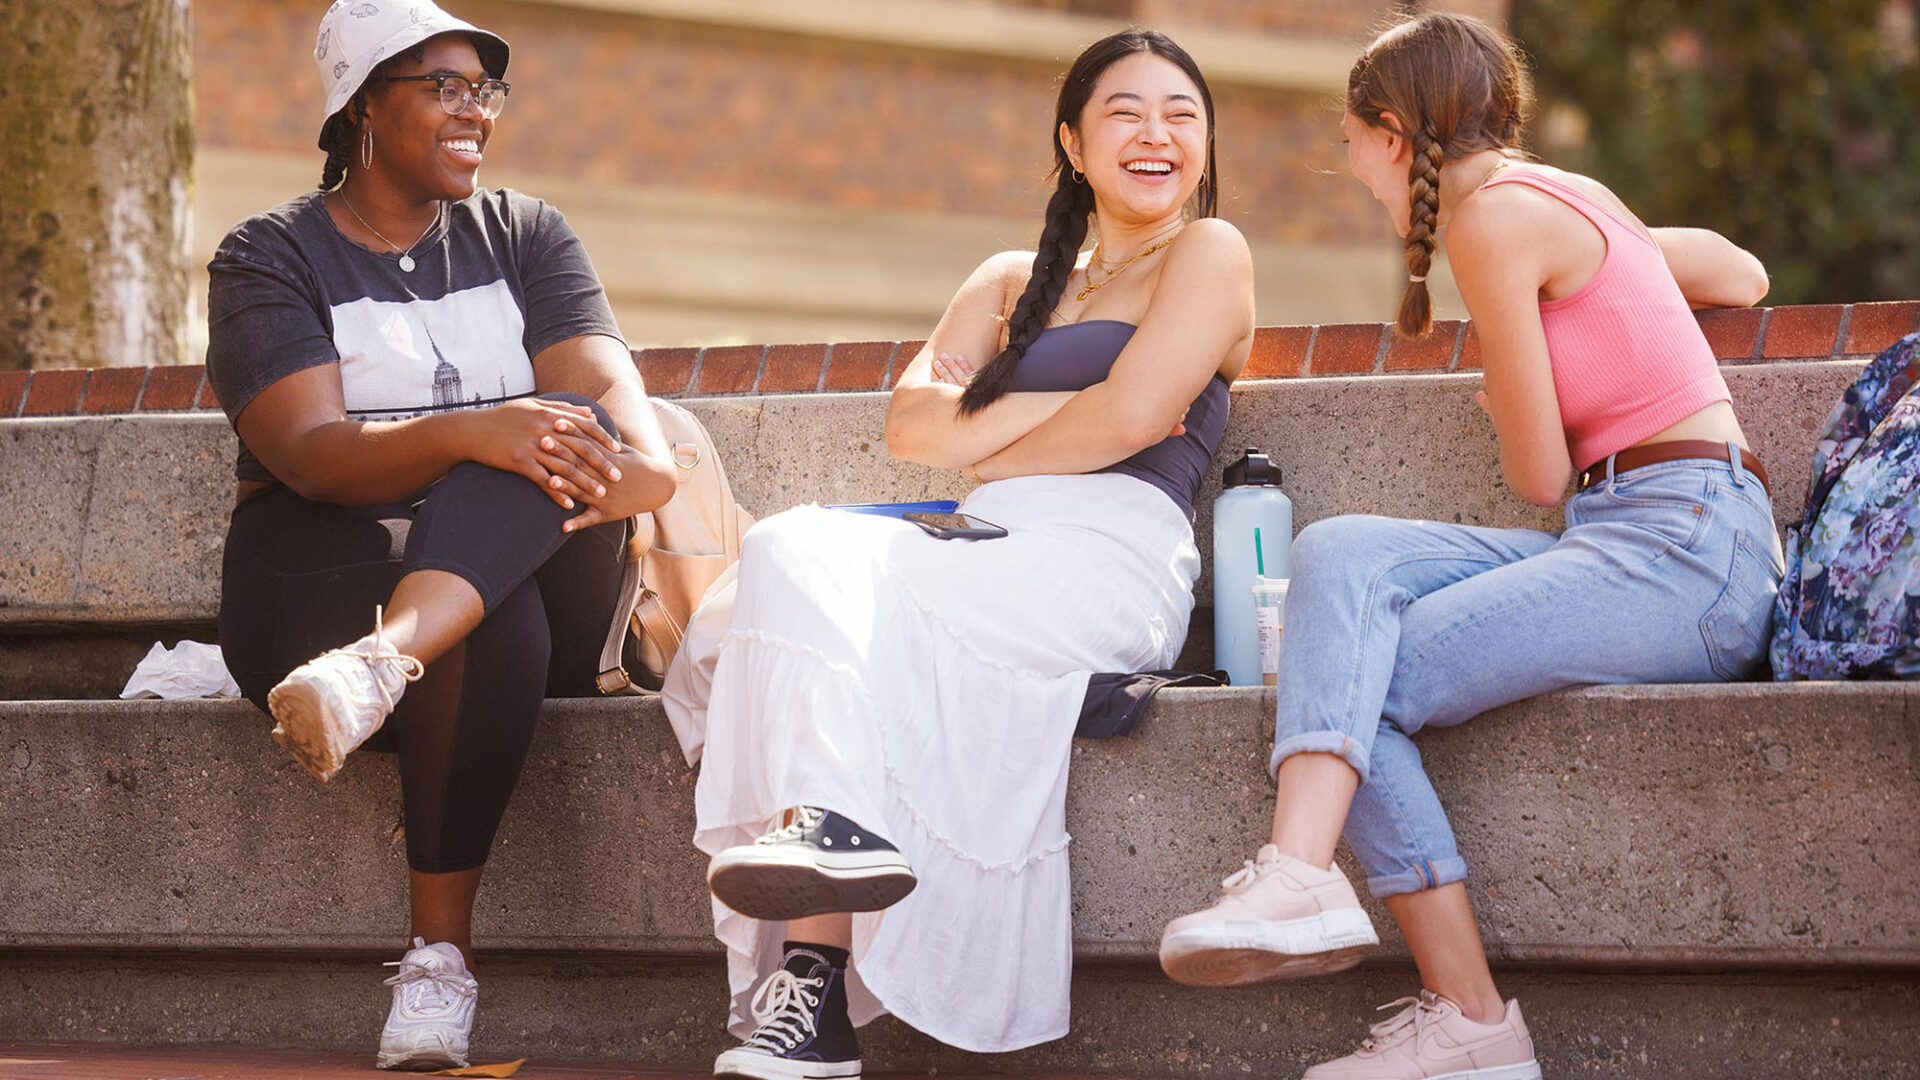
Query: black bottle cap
{"type": "Point", "coordinates": [1254, 469]}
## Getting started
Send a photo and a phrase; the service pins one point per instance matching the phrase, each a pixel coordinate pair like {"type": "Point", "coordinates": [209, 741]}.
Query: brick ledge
{"type": "Point", "coordinates": [1738, 336]}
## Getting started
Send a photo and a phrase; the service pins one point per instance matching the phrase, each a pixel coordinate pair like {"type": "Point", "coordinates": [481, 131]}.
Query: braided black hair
{"type": "Point", "coordinates": [337, 138]}
{"type": "Point", "coordinates": [340, 135]}
{"type": "Point", "coordinates": [1072, 203]}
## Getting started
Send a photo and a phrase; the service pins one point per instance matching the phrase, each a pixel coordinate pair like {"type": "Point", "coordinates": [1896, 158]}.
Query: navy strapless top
{"type": "Point", "coordinates": [1077, 355]}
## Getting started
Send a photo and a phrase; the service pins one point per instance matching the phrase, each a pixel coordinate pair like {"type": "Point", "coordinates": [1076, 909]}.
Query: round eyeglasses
{"type": "Point", "coordinates": [457, 92]}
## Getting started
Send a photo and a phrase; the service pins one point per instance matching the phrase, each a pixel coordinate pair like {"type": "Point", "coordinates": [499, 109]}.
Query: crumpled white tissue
{"type": "Point", "coordinates": [191, 669]}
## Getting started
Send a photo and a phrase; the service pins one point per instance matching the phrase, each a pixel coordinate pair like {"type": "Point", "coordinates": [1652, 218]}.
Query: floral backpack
{"type": "Point", "coordinates": [1848, 607]}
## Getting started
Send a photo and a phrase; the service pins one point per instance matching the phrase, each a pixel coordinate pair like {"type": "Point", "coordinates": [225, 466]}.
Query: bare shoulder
{"type": "Point", "coordinates": [1213, 249]}
{"type": "Point", "coordinates": [1212, 236]}
{"type": "Point", "coordinates": [1588, 186]}
{"type": "Point", "coordinates": [1007, 269]}
{"type": "Point", "coordinates": [1004, 276]}
{"type": "Point", "coordinates": [1520, 194]}
{"type": "Point", "coordinates": [1503, 217]}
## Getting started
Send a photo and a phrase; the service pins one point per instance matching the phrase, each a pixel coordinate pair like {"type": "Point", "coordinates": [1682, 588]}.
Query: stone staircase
{"type": "Point", "coordinates": [1697, 881]}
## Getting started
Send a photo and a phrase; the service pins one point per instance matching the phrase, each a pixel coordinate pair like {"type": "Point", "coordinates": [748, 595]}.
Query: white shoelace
{"type": "Point", "coordinates": [409, 668]}
{"type": "Point", "coordinates": [421, 981]}
{"type": "Point", "coordinates": [1248, 873]}
{"type": "Point", "coordinates": [783, 1007]}
{"type": "Point", "coordinates": [804, 818]}
{"type": "Point", "coordinates": [1424, 1009]}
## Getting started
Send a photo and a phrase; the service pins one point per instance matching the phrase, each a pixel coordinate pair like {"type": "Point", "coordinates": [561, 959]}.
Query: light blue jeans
{"type": "Point", "coordinates": [1664, 574]}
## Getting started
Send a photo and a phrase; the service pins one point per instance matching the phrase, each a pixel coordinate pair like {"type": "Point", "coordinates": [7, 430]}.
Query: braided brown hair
{"type": "Point", "coordinates": [1455, 86]}
{"type": "Point", "coordinates": [1072, 203]}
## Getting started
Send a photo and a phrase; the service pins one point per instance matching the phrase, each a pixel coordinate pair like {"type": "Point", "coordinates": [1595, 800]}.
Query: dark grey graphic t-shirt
{"type": "Point", "coordinates": [497, 278]}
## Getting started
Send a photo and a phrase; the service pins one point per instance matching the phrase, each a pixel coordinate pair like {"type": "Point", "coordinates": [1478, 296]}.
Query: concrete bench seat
{"type": "Point", "coordinates": [1748, 825]}
{"type": "Point", "coordinates": [1703, 880]}
{"type": "Point", "coordinates": [129, 513]}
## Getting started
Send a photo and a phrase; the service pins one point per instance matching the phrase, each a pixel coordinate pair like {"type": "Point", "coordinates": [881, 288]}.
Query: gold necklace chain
{"type": "Point", "coordinates": [1491, 173]}
{"type": "Point", "coordinates": [1119, 268]}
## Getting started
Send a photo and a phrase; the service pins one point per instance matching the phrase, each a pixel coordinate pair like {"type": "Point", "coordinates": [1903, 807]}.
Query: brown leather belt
{"type": "Point", "coordinates": [1635, 457]}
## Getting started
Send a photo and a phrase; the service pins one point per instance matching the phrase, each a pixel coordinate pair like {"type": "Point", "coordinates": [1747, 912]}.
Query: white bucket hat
{"type": "Point", "coordinates": [356, 35]}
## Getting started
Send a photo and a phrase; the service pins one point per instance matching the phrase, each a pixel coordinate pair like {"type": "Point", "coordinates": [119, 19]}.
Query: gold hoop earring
{"type": "Point", "coordinates": [366, 148]}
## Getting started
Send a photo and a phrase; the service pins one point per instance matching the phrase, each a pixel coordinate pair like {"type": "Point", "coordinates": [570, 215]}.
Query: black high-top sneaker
{"type": "Point", "coordinates": [817, 862]}
{"type": "Point", "coordinates": [804, 1033]}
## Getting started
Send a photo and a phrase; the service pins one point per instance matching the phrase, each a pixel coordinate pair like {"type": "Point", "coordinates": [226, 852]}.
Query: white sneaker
{"type": "Point", "coordinates": [331, 704]}
{"type": "Point", "coordinates": [432, 1014]}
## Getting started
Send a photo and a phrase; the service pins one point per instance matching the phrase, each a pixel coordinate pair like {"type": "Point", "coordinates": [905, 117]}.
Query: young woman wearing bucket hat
{"type": "Point", "coordinates": [441, 438]}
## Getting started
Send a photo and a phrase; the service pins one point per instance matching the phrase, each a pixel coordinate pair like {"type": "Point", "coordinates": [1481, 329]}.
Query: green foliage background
{"type": "Point", "coordinates": [1791, 126]}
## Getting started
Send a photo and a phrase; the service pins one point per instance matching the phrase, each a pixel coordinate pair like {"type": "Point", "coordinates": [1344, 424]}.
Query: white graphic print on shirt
{"type": "Point", "coordinates": [402, 359]}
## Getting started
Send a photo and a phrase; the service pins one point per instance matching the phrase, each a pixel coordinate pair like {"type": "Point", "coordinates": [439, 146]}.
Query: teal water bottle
{"type": "Point", "coordinates": [1251, 500]}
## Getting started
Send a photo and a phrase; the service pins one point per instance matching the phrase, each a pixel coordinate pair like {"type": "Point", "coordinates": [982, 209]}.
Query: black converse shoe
{"type": "Point", "coordinates": [804, 1033]}
{"type": "Point", "coordinates": [818, 862]}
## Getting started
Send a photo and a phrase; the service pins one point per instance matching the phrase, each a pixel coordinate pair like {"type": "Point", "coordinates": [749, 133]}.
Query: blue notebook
{"type": "Point", "coordinates": [933, 506]}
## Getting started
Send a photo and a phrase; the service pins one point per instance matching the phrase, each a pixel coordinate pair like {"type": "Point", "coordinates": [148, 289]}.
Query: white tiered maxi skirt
{"type": "Point", "coordinates": [928, 690]}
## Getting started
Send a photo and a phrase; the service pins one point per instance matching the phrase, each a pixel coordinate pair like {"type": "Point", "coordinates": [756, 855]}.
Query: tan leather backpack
{"type": "Point", "coordinates": [674, 554]}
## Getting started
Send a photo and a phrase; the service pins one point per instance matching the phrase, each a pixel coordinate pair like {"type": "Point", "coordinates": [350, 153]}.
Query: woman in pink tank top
{"type": "Point", "coordinates": [1596, 374]}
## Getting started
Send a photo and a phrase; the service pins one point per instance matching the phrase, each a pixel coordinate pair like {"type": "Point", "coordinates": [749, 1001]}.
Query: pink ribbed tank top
{"type": "Point", "coordinates": [1629, 359]}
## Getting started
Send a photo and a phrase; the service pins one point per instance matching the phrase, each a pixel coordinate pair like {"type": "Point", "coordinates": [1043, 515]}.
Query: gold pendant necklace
{"type": "Point", "coordinates": [1119, 268]}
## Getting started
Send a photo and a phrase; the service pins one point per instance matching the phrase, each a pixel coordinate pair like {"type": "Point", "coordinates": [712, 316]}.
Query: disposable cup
{"type": "Point", "coordinates": [1269, 613]}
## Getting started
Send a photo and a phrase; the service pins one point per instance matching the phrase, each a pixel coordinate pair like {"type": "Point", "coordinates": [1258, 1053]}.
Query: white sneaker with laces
{"type": "Point", "coordinates": [432, 1014]}
{"type": "Point", "coordinates": [331, 704]}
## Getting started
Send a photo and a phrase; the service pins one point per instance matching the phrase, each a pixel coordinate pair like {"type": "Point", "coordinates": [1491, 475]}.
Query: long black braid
{"type": "Point", "coordinates": [1060, 241]}
{"type": "Point", "coordinates": [1072, 203]}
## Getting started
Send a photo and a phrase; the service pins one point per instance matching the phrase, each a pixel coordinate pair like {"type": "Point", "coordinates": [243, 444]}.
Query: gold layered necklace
{"type": "Point", "coordinates": [1116, 269]}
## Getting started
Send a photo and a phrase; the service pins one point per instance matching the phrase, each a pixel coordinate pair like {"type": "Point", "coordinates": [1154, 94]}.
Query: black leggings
{"type": "Point", "coordinates": [302, 577]}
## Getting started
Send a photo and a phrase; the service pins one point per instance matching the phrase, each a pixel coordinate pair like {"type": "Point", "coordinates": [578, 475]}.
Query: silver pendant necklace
{"type": "Point", "coordinates": [406, 257]}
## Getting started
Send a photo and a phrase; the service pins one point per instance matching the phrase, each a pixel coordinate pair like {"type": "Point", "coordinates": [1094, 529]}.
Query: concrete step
{"type": "Point", "coordinates": [116, 1061]}
{"type": "Point", "coordinates": [129, 512]}
{"type": "Point", "coordinates": [1631, 828]}
{"type": "Point", "coordinates": [1128, 1020]}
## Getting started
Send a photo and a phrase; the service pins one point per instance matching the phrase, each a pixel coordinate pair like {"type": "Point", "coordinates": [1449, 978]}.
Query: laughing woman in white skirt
{"type": "Point", "coordinates": [889, 716]}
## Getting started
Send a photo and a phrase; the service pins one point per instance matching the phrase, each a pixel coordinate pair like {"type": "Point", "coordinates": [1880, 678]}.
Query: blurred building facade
{"type": "Point", "coordinates": [807, 170]}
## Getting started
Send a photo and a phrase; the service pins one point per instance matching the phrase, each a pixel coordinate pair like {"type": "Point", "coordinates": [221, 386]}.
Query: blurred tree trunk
{"type": "Point", "coordinates": [96, 159]}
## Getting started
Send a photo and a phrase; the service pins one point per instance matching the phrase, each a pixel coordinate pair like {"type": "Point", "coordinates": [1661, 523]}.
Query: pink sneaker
{"type": "Point", "coordinates": [1431, 1040]}
{"type": "Point", "coordinates": [1279, 918]}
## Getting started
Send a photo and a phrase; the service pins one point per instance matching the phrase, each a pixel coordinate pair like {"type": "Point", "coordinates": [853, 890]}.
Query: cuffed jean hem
{"type": "Point", "coordinates": [1319, 742]}
{"type": "Point", "coordinates": [1426, 875]}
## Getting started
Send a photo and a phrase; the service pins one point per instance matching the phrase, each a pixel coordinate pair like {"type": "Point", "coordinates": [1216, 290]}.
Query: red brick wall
{"type": "Point", "coordinates": [1342, 19]}
{"type": "Point", "coordinates": [625, 101]}
{"type": "Point", "coordinates": [1742, 336]}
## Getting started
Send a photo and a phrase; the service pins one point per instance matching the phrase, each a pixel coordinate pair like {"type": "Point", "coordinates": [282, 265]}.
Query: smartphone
{"type": "Point", "coordinates": [956, 526]}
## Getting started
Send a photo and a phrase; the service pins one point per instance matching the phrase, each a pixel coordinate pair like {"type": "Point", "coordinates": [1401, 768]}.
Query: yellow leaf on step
{"type": "Point", "coordinates": [498, 1072]}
